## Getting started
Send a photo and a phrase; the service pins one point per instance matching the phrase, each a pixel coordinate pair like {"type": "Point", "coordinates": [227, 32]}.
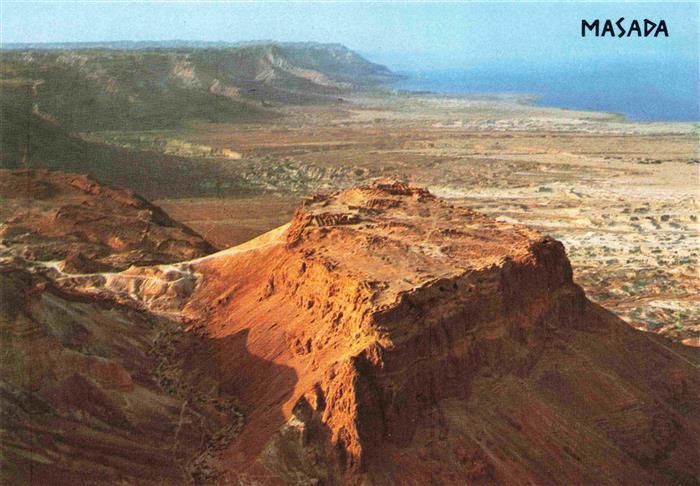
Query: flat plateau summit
{"type": "Point", "coordinates": [383, 336]}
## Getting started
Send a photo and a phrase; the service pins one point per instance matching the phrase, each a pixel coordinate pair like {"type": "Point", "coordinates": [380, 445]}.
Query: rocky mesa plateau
{"type": "Point", "coordinates": [382, 336]}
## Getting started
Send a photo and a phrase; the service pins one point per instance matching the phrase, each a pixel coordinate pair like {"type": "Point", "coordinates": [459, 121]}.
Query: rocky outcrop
{"type": "Point", "coordinates": [423, 342]}
{"type": "Point", "coordinates": [86, 227]}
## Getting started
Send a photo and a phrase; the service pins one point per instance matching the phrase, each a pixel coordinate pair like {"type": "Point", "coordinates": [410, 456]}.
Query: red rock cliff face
{"type": "Point", "coordinates": [393, 338]}
{"type": "Point", "coordinates": [442, 334]}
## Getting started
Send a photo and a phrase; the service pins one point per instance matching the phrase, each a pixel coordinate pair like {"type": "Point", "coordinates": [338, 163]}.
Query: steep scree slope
{"type": "Point", "coordinates": [94, 393]}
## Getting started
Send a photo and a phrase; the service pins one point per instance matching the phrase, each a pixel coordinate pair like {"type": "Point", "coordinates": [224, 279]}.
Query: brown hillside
{"type": "Point", "coordinates": [393, 338]}
{"type": "Point", "coordinates": [86, 226]}
{"type": "Point", "coordinates": [383, 336]}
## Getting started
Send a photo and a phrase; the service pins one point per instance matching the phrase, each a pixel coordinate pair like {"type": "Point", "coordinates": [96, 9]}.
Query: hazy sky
{"type": "Point", "coordinates": [402, 35]}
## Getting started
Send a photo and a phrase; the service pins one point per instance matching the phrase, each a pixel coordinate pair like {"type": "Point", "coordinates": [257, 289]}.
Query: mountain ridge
{"type": "Point", "coordinates": [96, 88]}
